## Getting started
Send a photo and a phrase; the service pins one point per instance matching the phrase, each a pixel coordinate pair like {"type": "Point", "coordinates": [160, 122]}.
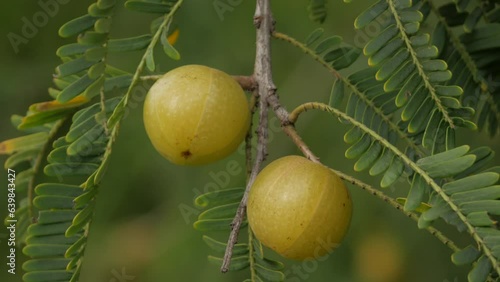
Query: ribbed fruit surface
{"type": "Point", "coordinates": [298, 208]}
{"type": "Point", "coordinates": [196, 115]}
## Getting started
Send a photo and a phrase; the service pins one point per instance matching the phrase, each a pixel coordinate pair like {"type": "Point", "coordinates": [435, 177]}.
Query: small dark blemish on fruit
{"type": "Point", "coordinates": [186, 154]}
{"type": "Point", "coordinates": [343, 204]}
{"type": "Point", "coordinates": [289, 238]}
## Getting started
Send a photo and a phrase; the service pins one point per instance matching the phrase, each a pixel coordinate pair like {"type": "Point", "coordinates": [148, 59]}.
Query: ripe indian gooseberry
{"type": "Point", "coordinates": [298, 208]}
{"type": "Point", "coordinates": [196, 115]}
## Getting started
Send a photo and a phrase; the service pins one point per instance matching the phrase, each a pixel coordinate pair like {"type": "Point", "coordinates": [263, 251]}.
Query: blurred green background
{"type": "Point", "coordinates": [139, 229]}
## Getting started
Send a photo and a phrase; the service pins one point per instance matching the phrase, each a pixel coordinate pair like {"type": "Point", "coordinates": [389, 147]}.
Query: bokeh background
{"type": "Point", "coordinates": [140, 229]}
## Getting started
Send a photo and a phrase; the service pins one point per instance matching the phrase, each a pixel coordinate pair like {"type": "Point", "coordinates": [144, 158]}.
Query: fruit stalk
{"type": "Point", "coordinates": [288, 127]}
{"type": "Point", "coordinates": [248, 83]}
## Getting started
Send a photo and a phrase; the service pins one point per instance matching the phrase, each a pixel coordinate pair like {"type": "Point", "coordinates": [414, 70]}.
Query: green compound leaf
{"type": "Point", "coordinates": [480, 271]}
{"type": "Point", "coordinates": [223, 211]}
{"type": "Point", "coordinates": [219, 197]}
{"type": "Point", "coordinates": [317, 10]}
{"type": "Point", "coordinates": [237, 263]}
{"type": "Point", "coordinates": [129, 44]}
{"type": "Point", "coordinates": [268, 274]}
{"type": "Point", "coordinates": [77, 26]}
{"type": "Point", "coordinates": [168, 48]}
{"type": "Point", "coordinates": [45, 264]}
{"type": "Point", "coordinates": [314, 36]}
{"type": "Point", "coordinates": [45, 276]}
{"type": "Point", "coordinates": [370, 14]}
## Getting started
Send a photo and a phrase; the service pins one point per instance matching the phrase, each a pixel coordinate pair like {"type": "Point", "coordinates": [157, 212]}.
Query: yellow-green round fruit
{"type": "Point", "coordinates": [298, 208]}
{"type": "Point", "coordinates": [196, 115]}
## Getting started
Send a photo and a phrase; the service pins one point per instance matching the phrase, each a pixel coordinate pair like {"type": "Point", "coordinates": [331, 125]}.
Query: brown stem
{"type": "Point", "coordinates": [248, 139]}
{"type": "Point", "coordinates": [288, 127]}
{"type": "Point", "coordinates": [248, 83]}
{"type": "Point", "coordinates": [264, 24]}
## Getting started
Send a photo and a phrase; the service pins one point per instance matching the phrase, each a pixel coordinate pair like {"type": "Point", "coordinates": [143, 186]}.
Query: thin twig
{"type": "Point", "coordinates": [248, 138]}
{"type": "Point", "coordinates": [153, 77]}
{"type": "Point", "coordinates": [264, 24]}
{"type": "Point", "coordinates": [289, 129]}
{"type": "Point", "coordinates": [248, 154]}
{"type": "Point", "coordinates": [103, 111]}
{"type": "Point", "coordinates": [240, 213]}
{"type": "Point", "coordinates": [37, 165]}
{"type": "Point", "coordinates": [251, 250]}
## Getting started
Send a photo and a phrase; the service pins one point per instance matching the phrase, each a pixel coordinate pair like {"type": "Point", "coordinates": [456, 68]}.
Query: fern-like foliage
{"type": "Point", "coordinates": [332, 51]}
{"type": "Point", "coordinates": [468, 201]}
{"type": "Point", "coordinates": [406, 62]}
{"type": "Point", "coordinates": [413, 90]}
{"type": "Point", "coordinates": [369, 104]}
{"type": "Point", "coordinates": [29, 149]}
{"type": "Point", "coordinates": [56, 241]}
{"type": "Point", "coordinates": [366, 90]}
{"type": "Point", "coordinates": [218, 211]}
{"type": "Point", "coordinates": [66, 209]}
{"type": "Point", "coordinates": [473, 52]}
{"type": "Point", "coordinates": [317, 10]}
